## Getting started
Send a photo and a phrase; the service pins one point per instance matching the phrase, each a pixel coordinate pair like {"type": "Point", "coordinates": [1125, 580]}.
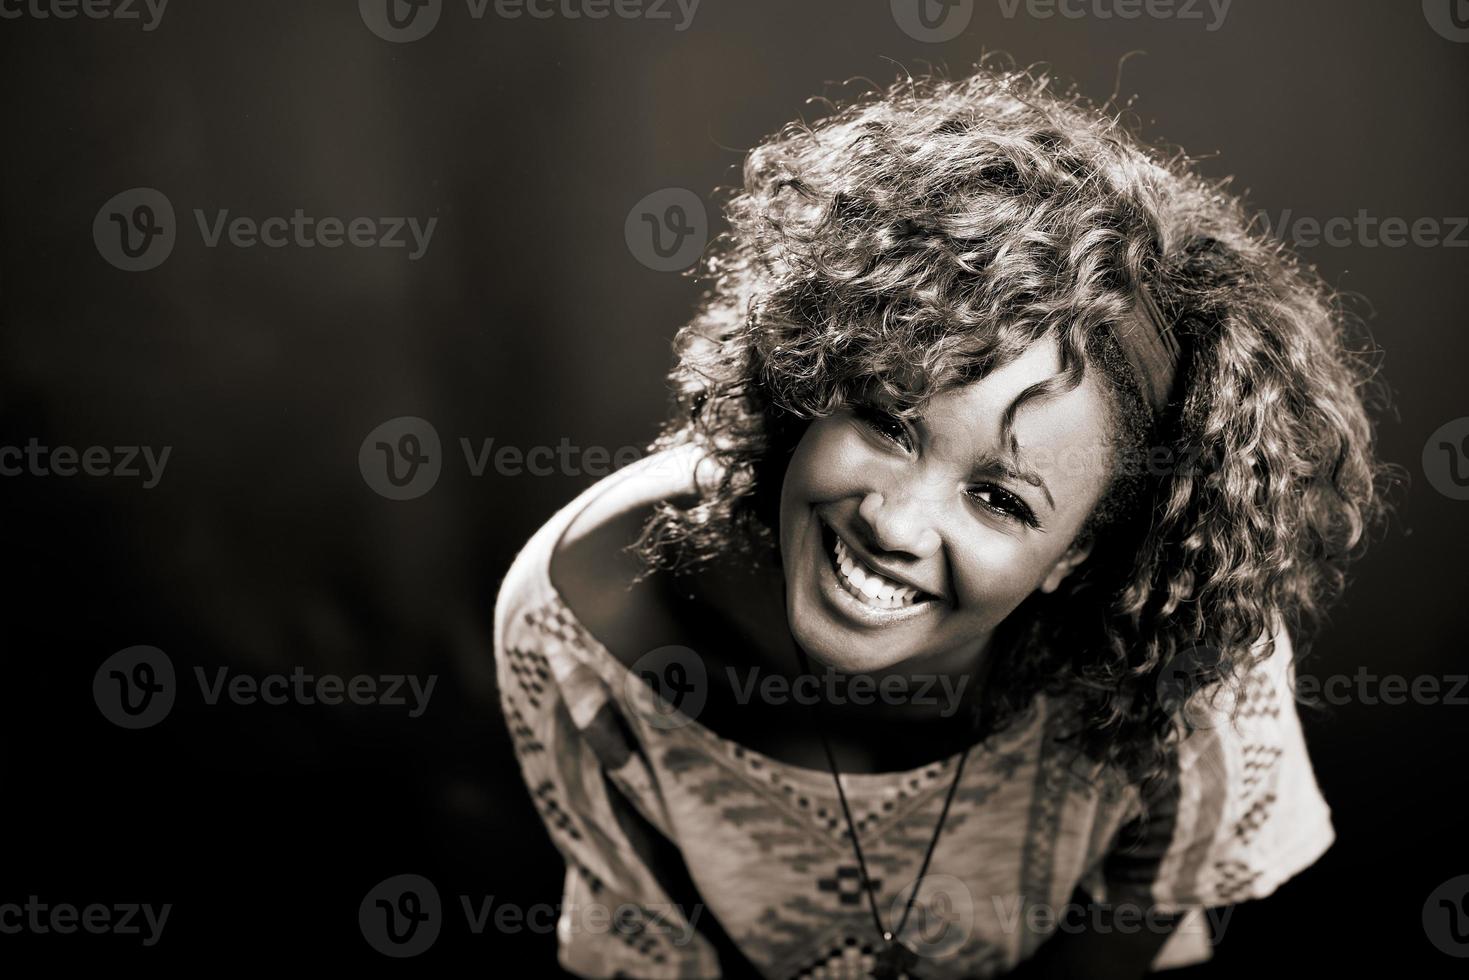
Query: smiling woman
{"type": "Point", "coordinates": [945, 323]}
{"type": "Point", "coordinates": [925, 508]}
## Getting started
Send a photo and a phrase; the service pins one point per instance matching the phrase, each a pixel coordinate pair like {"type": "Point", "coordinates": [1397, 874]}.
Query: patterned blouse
{"type": "Point", "coordinates": [617, 773]}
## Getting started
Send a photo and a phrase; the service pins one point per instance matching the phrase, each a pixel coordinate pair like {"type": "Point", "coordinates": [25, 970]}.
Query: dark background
{"type": "Point", "coordinates": [529, 320]}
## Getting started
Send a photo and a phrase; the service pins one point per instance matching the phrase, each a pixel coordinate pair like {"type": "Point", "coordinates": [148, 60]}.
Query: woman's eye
{"type": "Point", "coordinates": [1003, 502]}
{"type": "Point", "coordinates": [884, 423]}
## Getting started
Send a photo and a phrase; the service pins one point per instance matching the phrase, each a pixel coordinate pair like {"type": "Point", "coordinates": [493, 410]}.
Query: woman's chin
{"type": "Point", "coordinates": [849, 658]}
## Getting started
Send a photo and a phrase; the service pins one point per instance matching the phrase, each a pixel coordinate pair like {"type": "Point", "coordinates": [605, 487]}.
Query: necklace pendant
{"type": "Point", "coordinates": [896, 960]}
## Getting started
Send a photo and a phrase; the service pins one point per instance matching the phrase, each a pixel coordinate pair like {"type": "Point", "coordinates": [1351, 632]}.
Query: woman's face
{"type": "Point", "coordinates": [909, 542]}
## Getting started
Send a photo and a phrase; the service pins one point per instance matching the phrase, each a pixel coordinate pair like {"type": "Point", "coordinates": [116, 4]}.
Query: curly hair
{"type": "Point", "coordinates": [919, 237]}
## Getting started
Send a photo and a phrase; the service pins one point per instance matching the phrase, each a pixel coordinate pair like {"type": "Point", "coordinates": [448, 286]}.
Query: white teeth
{"type": "Point", "coordinates": [879, 590]}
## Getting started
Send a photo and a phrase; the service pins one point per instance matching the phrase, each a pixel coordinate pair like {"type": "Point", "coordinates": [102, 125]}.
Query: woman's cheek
{"type": "Point", "coordinates": [829, 462]}
{"type": "Point", "coordinates": [995, 575]}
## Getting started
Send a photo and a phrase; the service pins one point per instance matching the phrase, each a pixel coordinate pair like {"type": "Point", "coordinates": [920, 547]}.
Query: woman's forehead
{"type": "Point", "coordinates": [1065, 426]}
{"type": "Point", "coordinates": [1015, 379]}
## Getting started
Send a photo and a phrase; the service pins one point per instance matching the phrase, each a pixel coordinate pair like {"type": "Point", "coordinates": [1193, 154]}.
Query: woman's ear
{"type": "Point", "coordinates": [1066, 564]}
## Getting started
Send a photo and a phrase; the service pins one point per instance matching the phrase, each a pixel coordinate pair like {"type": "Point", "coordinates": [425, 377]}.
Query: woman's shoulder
{"type": "Point", "coordinates": [579, 558]}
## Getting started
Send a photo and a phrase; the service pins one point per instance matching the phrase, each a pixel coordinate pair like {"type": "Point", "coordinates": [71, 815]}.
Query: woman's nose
{"type": "Point", "coordinates": [899, 523]}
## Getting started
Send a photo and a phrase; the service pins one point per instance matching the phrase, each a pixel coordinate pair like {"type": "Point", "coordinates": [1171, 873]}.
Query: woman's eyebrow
{"type": "Point", "coordinates": [1012, 466]}
{"type": "Point", "coordinates": [1008, 466]}
{"type": "Point", "coordinates": [1015, 470]}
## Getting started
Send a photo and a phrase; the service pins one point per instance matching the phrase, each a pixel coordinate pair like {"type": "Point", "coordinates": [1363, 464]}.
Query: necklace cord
{"type": "Point", "coordinates": [852, 828]}
{"type": "Point", "coordinates": [933, 843]}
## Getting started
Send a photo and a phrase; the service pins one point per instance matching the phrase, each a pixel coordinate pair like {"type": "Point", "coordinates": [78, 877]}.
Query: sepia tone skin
{"type": "Point", "coordinates": [927, 503]}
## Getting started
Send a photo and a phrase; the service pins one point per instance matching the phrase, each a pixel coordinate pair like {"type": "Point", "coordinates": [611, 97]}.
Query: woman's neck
{"type": "Point", "coordinates": [739, 606]}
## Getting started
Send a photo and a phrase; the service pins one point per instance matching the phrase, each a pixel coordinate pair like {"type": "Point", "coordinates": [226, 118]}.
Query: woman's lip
{"type": "Point", "coordinates": [848, 605]}
{"type": "Point", "coordinates": [829, 529]}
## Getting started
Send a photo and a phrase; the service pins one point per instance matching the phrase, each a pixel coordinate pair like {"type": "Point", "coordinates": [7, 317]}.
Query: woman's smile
{"type": "Point", "coordinates": [857, 591]}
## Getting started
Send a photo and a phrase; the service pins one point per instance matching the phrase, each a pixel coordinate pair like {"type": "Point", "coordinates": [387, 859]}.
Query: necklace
{"type": "Point", "coordinates": [897, 958]}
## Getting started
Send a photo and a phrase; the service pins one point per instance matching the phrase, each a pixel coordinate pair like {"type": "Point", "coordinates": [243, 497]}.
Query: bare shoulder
{"type": "Point", "coordinates": [595, 573]}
